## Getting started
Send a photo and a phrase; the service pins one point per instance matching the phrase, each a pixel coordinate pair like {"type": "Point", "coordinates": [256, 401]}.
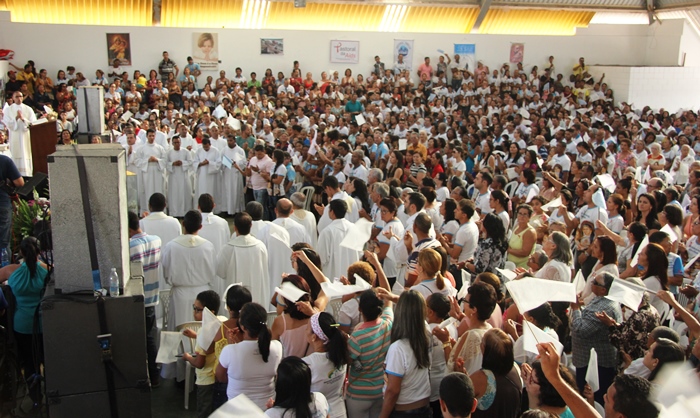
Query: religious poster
{"type": "Point", "coordinates": [404, 47]}
{"type": "Point", "coordinates": [516, 52]}
{"type": "Point", "coordinates": [347, 52]}
{"type": "Point", "coordinates": [205, 50]}
{"type": "Point", "coordinates": [118, 48]}
{"type": "Point", "coordinates": [467, 55]}
{"type": "Point", "coordinates": [271, 46]}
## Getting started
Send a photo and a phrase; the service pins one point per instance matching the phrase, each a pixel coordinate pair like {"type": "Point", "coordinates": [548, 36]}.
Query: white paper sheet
{"type": "Point", "coordinates": [507, 274]}
{"type": "Point", "coordinates": [671, 233]}
{"type": "Point", "coordinates": [169, 347]}
{"type": "Point", "coordinates": [403, 144]}
{"type": "Point", "coordinates": [592, 372]}
{"type": "Point", "coordinates": [626, 293]}
{"type": "Point", "coordinates": [691, 262]}
{"type": "Point", "coordinates": [126, 116]}
{"type": "Point", "coordinates": [554, 204]}
{"type": "Point", "coordinates": [335, 290]}
{"type": "Point", "coordinates": [239, 407]}
{"type": "Point", "coordinates": [529, 293]}
{"type": "Point", "coordinates": [360, 120]}
{"type": "Point", "coordinates": [607, 181]}
{"type": "Point", "coordinates": [219, 112]}
{"type": "Point", "coordinates": [290, 292]}
{"type": "Point", "coordinates": [358, 235]}
{"type": "Point", "coordinates": [642, 245]}
{"type": "Point", "coordinates": [533, 335]}
{"type": "Point", "coordinates": [226, 162]}
{"type": "Point", "coordinates": [579, 282]}
{"type": "Point", "coordinates": [511, 173]}
{"type": "Point", "coordinates": [210, 326]}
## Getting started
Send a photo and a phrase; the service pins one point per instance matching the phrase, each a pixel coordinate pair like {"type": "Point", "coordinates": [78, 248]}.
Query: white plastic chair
{"type": "Point", "coordinates": [308, 192]}
{"type": "Point", "coordinates": [164, 300]}
{"type": "Point", "coordinates": [271, 318]}
{"type": "Point", "coordinates": [189, 371]}
{"type": "Point", "coordinates": [336, 304]}
{"type": "Point", "coordinates": [511, 188]}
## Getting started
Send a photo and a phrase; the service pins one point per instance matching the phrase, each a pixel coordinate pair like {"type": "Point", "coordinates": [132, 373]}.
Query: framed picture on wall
{"type": "Point", "coordinates": [118, 48]}
{"type": "Point", "coordinates": [271, 46]}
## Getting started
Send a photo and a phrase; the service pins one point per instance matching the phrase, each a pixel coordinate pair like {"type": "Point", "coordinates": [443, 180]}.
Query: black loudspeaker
{"type": "Point", "coordinates": [76, 380]}
{"type": "Point", "coordinates": [39, 182]}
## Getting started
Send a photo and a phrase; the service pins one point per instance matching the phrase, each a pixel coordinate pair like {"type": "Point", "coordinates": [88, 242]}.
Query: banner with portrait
{"type": "Point", "coordinates": [517, 52]}
{"type": "Point", "coordinates": [118, 48]}
{"type": "Point", "coordinates": [404, 47]}
{"type": "Point", "coordinates": [467, 55]}
{"type": "Point", "coordinates": [205, 50]}
{"type": "Point", "coordinates": [347, 52]}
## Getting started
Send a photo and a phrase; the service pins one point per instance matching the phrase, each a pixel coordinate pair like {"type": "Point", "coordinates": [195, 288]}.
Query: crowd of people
{"type": "Point", "coordinates": [469, 178]}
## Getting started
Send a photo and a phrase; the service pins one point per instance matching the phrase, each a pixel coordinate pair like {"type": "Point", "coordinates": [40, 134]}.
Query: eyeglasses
{"type": "Point", "coordinates": [196, 309]}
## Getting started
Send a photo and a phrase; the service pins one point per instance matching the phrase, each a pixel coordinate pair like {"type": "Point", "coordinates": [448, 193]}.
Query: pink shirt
{"type": "Point", "coordinates": [425, 69]}
{"type": "Point", "coordinates": [256, 180]}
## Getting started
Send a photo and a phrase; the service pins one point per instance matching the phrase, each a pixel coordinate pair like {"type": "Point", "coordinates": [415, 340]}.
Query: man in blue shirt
{"type": "Point", "coordinates": [353, 105]}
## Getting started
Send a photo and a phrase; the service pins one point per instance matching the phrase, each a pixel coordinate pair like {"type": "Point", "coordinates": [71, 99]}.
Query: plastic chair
{"type": "Point", "coordinates": [470, 191]}
{"type": "Point", "coordinates": [189, 371]}
{"type": "Point", "coordinates": [271, 318]}
{"type": "Point", "coordinates": [164, 300]}
{"type": "Point", "coordinates": [336, 304]}
{"type": "Point", "coordinates": [511, 188]}
{"type": "Point", "coordinates": [308, 192]}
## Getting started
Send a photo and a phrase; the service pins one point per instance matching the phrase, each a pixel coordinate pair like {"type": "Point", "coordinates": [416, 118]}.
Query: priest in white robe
{"type": "Point", "coordinates": [233, 180]}
{"type": "Point", "coordinates": [279, 254]}
{"type": "Point", "coordinates": [189, 265]}
{"type": "Point", "coordinates": [179, 163]}
{"type": "Point", "coordinates": [218, 142]}
{"type": "Point", "coordinates": [215, 229]}
{"type": "Point", "coordinates": [304, 217]}
{"type": "Point", "coordinates": [297, 233]}
{"type": "Point", "coordinates": [332, 188]}
{"type": "Point", "coordinates": [335, 259]}
{"type": "Point", "coordinates": [244, 260]}
{"type": "Point", "coordinates": [18, 117]}
{"type": "Point", "coordinates": [207, 162]}
{"type": "Point", "coordinates": [255, 210]}
{"type": "Point", "coordinates": [161, 225]}
{"type": "Point", "coordinates": [131, 146]}
{"type": "Point", "coordinates": [150, 160]}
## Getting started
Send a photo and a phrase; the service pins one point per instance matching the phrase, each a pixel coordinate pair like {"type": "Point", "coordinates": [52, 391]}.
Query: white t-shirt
{"type": "Point", "coordinates": [616, 224]}
{"type": "Point", "coordinates": [460, 167]}
{"type": "Point", "coordinates": [467, 237]}
{"type": "Point", "coordinates": [428, 287]}
{"type": "Point", "coordinates": [318, 406]}
{"type": "Point", "coordinates": [248, 373]}
{"type": "Point", "coordinates": [563, 161]}
{"type": "Point", "coordinates": [396, 227]}
{"type": "Point", "coordinates": [442, 194]}
{"type": "Point", "coordinates": [401, 362]}
{"type": "Point", "coordinates": [438, 365]}
{"type": "Point", "coordinates": [449, 228]}
{"type": "Point", "coordinates": [481, 201]}
{"type": "Point", "coordinates": [350, 314]}
{"type": "Point", "coordinates": [328, 380]}
{"type": "Point", "coordinates": [592, 214]}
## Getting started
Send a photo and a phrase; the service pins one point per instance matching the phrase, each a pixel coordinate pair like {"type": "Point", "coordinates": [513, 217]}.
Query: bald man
{"type": "Point", "coordinates": [297, 233]}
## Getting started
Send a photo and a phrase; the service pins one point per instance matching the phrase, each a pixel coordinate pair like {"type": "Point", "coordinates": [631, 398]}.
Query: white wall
{"type": "Point", "coordinates": [690, 46]}
{"type": "Point", "coordinates": [55, 46]}
{"type": "Point", "coordinates": [670, 88]}
{"type": "Point", "coordinates": [618, 79]}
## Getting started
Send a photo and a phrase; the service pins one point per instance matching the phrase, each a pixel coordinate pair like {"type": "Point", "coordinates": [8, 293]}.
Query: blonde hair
{"type": "Point", "coordinates": [431, 262]}
{"type": "Point", "coordinates": [205, 37]}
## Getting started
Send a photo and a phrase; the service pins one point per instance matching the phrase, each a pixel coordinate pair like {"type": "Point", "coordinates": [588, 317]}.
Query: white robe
{"type": "Point", "coordinates": [131, 159]}
{"type": "Point", "coordinates": [308, 221]}
{"type": "Point", "coordinates": [278, 252]}
{"type": "Point", "coordinates": [352, 214]}
{"type": "Point", "coordinates": [189, 265]}
{"type": "Point", "coordinates": [207, 175]}
{"type": "Point", "coordinates": [244, 260]}
{"type": "Point", "coordinates": [297, 233]}
{"type": "Point", "coordinates": [232, 195]}
{"type": "Point", "coordinates": [179, 182]}
{"type": "Point", "coordinates": [20, 141]}
{"type": "Point", "coordinates": [151, 175]}
{"type": "Point", "coordinates": [220, 144]}
{"type": "Point", "coordinates": [216, 230]}
{"type": "Point", "coordinates": [167, 229]}
{"type": "Point", "coordinates": [257, 227]}
{"type": "Point", "coordinates": [334, 258]}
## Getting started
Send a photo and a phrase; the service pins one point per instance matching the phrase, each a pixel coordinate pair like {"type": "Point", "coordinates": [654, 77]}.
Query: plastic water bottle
{"type": "Point", "coordinates": [113, 283]}
{"type": "Point", "coordinates": [5, 257]}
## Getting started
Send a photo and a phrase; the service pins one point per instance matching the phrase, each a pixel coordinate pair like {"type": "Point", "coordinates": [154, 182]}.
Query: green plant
{"type": "Point", "coordinates": [27, 214]}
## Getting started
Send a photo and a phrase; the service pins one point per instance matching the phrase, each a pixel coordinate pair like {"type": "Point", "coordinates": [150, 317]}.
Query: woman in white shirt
{"type": "Point", "coordinates": [293, 396]}
{"type": "Point", "coordinates": [249, 366]}
{"type": "Point", "coordinates": [450, 225]}
{"type": "Point", "coordinates": [603, 248]}
{"type": "Point", "coordinates": [329, 361]}
{"type": "Point", "coordinates": [407, 389]}
{"type": "Point", "coordinates": [616, 213]}
{"type": "Point", "coordinates": [430, 279]}
{"type": "Point", "coordinates": [558, 250]}
{"type": "Point", "coordinates": [654, 260]}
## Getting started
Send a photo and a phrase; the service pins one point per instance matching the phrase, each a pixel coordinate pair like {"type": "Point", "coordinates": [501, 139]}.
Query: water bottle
{"type": "Point", "coordinates": [5, 257]}
{"type": "Point", "coordinates": [113, 283]}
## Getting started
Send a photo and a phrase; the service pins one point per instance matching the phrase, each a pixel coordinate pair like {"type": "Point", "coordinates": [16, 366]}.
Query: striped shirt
{"type": "Point", "coordinates": [368, 348]}
{"type": "Point", "coordinates": [146, 249]}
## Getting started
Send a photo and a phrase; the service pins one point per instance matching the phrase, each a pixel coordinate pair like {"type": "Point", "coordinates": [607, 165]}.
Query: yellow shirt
{"type": "Point", "coordinates": [29, 79]}
{"type": "Point", "coordinates": [205, 375]}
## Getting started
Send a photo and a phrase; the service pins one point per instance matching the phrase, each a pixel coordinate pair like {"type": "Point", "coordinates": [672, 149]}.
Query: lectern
{"type": "Point", "coordinates": [44, 141]}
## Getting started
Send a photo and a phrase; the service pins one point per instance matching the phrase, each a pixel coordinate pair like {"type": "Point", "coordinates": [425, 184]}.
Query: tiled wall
{"type": "Point", "coordinates": [670, 88]}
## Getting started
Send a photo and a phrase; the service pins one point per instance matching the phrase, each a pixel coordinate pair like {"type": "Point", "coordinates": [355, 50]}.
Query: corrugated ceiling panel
{"type": "Point", "coordinates": [209, 14]}
{"type": "Point", "coordinates": [606, 4]}
{"type": "Point", "coordinates": [660, 4]}
{"type": "Point", "coordinates": [439, 19]}
{"type": "Point", "coordinates": [82, 12]}
{"type": "Point", "coordinates": [319, 16]}
{"type": "Point", "coordinates": [534, 22]}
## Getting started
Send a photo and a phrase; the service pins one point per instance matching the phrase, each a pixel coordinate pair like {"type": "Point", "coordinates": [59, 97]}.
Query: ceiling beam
{"type": "Point", "coordinates": [650, 11]}
{"type": "Point", "coordinates": [484, 6]}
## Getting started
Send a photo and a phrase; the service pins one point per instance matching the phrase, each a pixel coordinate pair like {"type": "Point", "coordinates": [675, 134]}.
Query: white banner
{"type": "Point", "coordinates": [345, 52]}
{"type": "Point", "coordinates": [405, 48]}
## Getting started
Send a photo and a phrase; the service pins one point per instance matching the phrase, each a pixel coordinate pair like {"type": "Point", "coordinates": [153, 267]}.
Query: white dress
{"type": "Point", "coordinates": [179, 182]}
{"type": "Point", "coordinates": [244, 260]}
{"type": "Point", "coordinates": [207, 175]}
{"type": "Point", "coordinates": [276, 240]}
{"type": "Point", "coordinates": [334, 258]}
{"type": "Point", "coordinates": [151, 175]}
